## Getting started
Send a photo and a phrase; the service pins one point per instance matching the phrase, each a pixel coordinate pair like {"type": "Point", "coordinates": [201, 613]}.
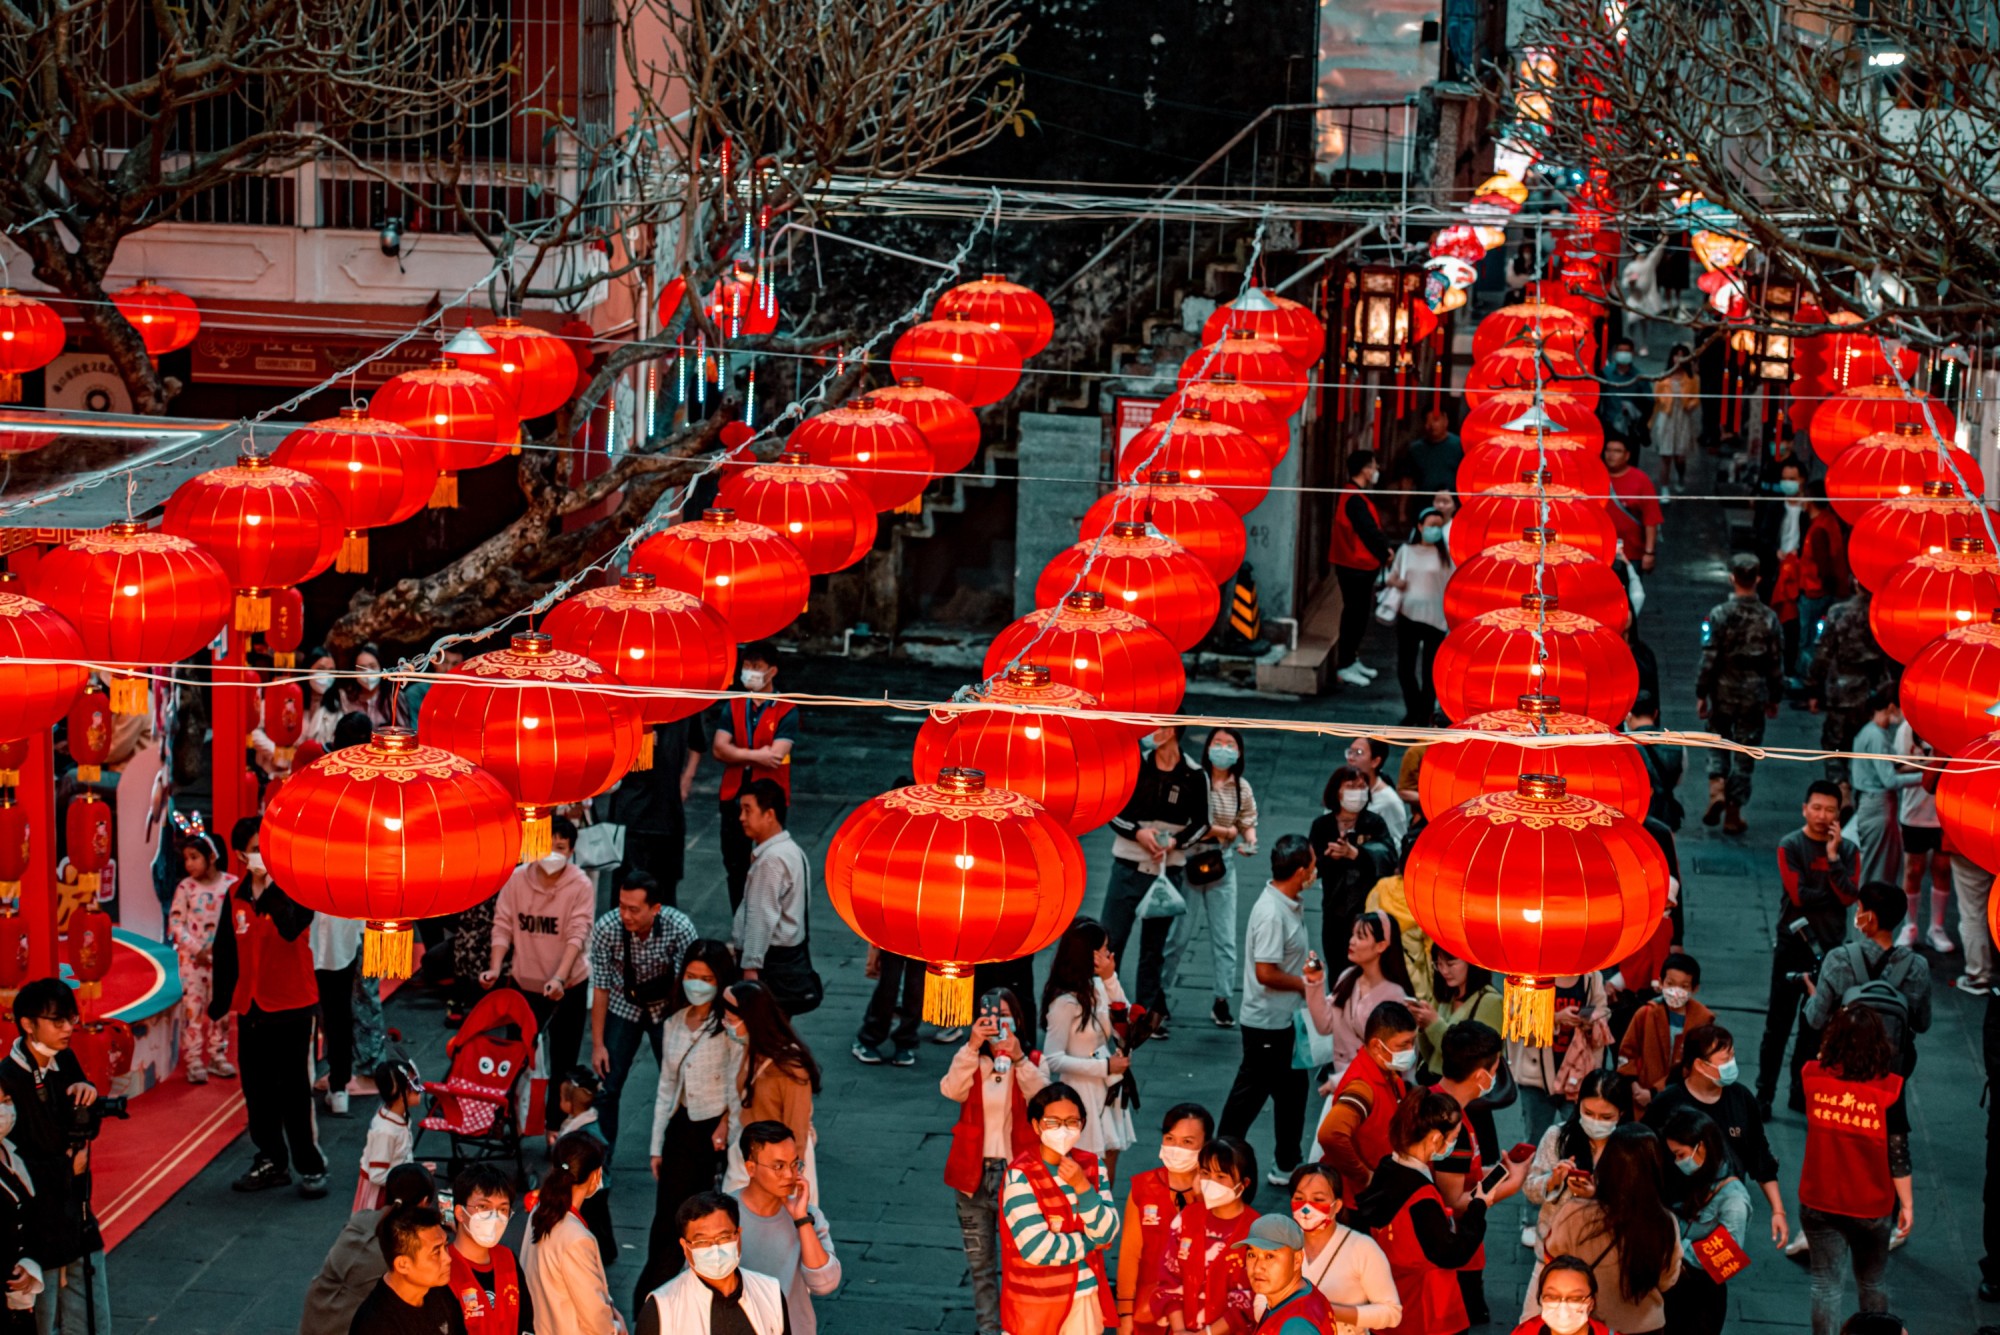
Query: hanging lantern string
{"type": "Point", "coordinates": [1944, 447]}
{"type": "Point", "coordinates": [1541, 484]}
{"type": "Point", "coordinates": [673, 500]}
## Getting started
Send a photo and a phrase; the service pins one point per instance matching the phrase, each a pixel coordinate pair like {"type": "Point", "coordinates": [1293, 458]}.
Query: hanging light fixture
{"type": "Point", "coordinates": [1378, 298]}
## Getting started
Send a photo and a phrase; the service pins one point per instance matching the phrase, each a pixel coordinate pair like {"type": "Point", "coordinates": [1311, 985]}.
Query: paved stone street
{"type": "Point", "coordinates": [213, 1262]}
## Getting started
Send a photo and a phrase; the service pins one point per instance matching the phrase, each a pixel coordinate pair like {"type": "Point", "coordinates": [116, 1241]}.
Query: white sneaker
{"type": "Point", "coordinates": [1941, 940]}
{"type": "Point", "coordinates": [1373, 673]}
{"type": "Point", "coordinates": [1797, 1245]}
{"type": "Point", "coordinates": [1528, 1238]}
{"type": "Point", "coordinates": [1971, 986]}
{"type": "Point", "coordinates": [1908, 935]}
{"type": "Point", "coordinates": [1353, 675]}
{"type": "Point", "coordinates": [336, 1103]}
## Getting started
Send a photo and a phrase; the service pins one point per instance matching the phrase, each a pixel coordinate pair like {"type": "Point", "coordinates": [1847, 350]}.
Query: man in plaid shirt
{"type": "Point", "coordinates": [636, 954]}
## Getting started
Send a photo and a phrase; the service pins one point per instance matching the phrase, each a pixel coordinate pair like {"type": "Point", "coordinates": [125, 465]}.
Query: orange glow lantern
{"type": "Point", "coordinates": [284, 717]}
{"type": "Point", "coordinates": [1524, 324]}
{"type": "Point", "coordinates": [534, 368]}
{"type": "Point", "coordinates": [1968, 804]}
{"type": "Point", "coordinates": [1273, 318]}
{"type": "Point", "coordinates": [1951, 683]}
{"type": "Point", "coordinates": [1613, 773]}
{"type": "Point", "coordinates": [961, 356]}
{"type": "Point", "coordinates": [554, 733]}
{"type": "Point", "coordinates": [1931, 594]}
{"type": "Point", "coordinates": [954, 873]}
{"type": "Point", "coordinates": [1491, 660]}
{"type": "Point", "coordinates": [951, 428]}
{"type": "Point", "coordinates": [15, 836]}
{"type": "Point", "coordinates": [818, 510]}
{"type": "Point", "coordinates": [1080, 770]}
{"type": "Point", "coordinates": [33, 695]}
{"type": "Point", "coordinates": [89, 733]}
{"type": "Point", "coordinates": [751, 575]}
{"type": "Point", "coordinates": [288, 627]}
{"type": "Point", "coordinates": [1233, 404]}
{"type": "Point", "coordinates": [1206, 453]}
{"type": "Point", "coordinates": [1568, 458]}
{"type": "Point", "coordinates": [379, 473]}
{"type": "Point", "coordinates": [31, 336]}
{"type": "Point", "coordinates": [1144, 573]}
{"type": "Point", "coordinates": [166, 320]}
{"type": "Point", "coordinates": [655, 637]}
{"type": "Point", "coordinates": [1192, 516]}
{"type": "Point", "coordinates": [467, 419]}
{"type": "Point", "coordinates": [1502, 407]}
{"type": "Point", "coordinates": [87, 946]}
{"type": "Point", "coordinates": [268, 526]}
{"type": "Point", "coordinates": [13, 755]}
{"type": "Point", "coordinates": [1525, 368]}
{"type": "Point", "coordinates": [136, 596]}
{"type": "Point", "coordinates": [1876, 409]}
{"type": "Point", "coordinates": [879, 450]}
{"type": "Point", "coordinates": [1893, 464]}
{"type": "Point", "coordinates": [1115, 656]}
{"type": "Point", "coordinates": [1498, 513]}
{"type": "Point", "coordinates": [1538, 563]}
{"type": "Point", "coordinates": [1892, 532]}
{"type": "Point", "coordinates": [743, 305]}
{"type": "Point", "coordinates": [1535, 884]}
{"type": "Point", "coordinates": [1256, 362]}
{"type": "Point", "coordinates": [87, 827]}
{"type": "Point", "coordinates": [389, 832]}
{"type": "Point", "coordinates": [1004, 308]}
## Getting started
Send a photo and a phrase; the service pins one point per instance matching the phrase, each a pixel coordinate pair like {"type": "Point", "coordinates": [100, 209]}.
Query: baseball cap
{"type": "Point", "coordinates": [1269, 1232]}
{"type": "Point", "coordinates": [1744, 563]}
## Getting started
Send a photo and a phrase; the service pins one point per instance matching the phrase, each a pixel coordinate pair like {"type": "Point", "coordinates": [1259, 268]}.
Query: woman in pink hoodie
{"type": "Point", "coordinates": [543, 916]}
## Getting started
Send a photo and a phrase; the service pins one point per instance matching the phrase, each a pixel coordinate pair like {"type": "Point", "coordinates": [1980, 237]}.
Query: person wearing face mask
{"type": "Point", "coordinates": [1627, 401]}
{"type": "Point", "coordinates": [1567, 1155]}
{"type": "Point", "coordinates": [1546, 1075]}
{"type": "Point", "coordinates": [367, 691]}
{"type": "Point", "coordinates": [322, 691]}
{"type": "Point", "coordinates": [1472, 1056]}
{"type": "Point", "coordinates": [1358, 551]}
{"type": "Point", "coordinates": [992, 1077]}
{"type": "Point", "coordinates": [1676, 417]}
{"type": "Point", "coordinates": [1357, 1131]}
{"type": "Point", "coordinates": [1369, 755]}
{"type": "Point", "coordinates": [1405, 1213]}
{"type": "Point", "coordinates": [1211, 869]}
{"type": "Point", "coordinates": [1348, 1267]}
{"type": "Point", "coordinates": [753, 738]}
{"type": "Point", "coordinates": [565, 1272]}
{"type": "Point", "coordinates": [1202, 1289]}
{"type": "Point", "coordinates": [1152, 1201]}
{"type": "Point", "coordinates": [264, 974]}
{"type": "Point", "coordinates": [1625, 1230]}
{"type": "Point", "coordinates": [1354, 850]}
{"type": "Point", "coordinates": [1712, 1196]}
{"type": "Point", "coordinates": [1166, 814]}
{"type": "Point", "coordinates": [17, 1199]}
{"type": "Point", "coordinates": [1706, 1081]}
{"type": "Point", "coordinates": [485, 1276]}
{"type": "Point", "coordinates": [1567, 1297]}
{"type": "Point", "coordinates": [543, 917]}
{"type": "Point", "coordinates": [1419, 571]}
{"type": "Point", "coordinates": [1056, 1226]}
{"type": "Point", "coordinates": [1651, 1047]}
{"type": "Point", "coordinates": [714, 1294]}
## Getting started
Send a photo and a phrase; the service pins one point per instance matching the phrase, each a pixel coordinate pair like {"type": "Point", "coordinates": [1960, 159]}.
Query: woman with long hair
{"type": "Point", "coordinates": [1080, 1048]}
{"type": "Point", "coordinates": [1712, 1196]}
{"type": "Point", "coordinates": [1354, 851]}
{"type": "Point", "coordinates": [991, 1079]}
{"type": "Point", "coordinates": [1376, 972]}
{"type": "Point", "coordinates": [368, 691]}
{"type": "Point", "coordinates": [1676, 417]}
{"type": "Point", "coordinates": [560, 1261]}
{"type": "Point", "coordinates": [1854, 1186]}
{"type": "Point", "coordinates": [322, 691]}
{"type": "Point", "coordinates": [1346, 1266]}
{"type": "Point", "coordinates": [1625, 1230]}
{"type": "Point", "coordinates": [1567, 1154]}
{"type": "Point", "coordinates": [778, 1079]}
{"type": "Point", "coordinates": [1705, 1079]}
{"type": "Point", "coordinates": [1461, 990]}
{"type": "Point", "coordinates": [1211, 869]}
{"type": "Point", "coordinates": [1419, 571]}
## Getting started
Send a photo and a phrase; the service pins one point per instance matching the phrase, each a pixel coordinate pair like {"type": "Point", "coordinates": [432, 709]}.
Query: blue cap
{"type": "Point", "coordinates": [1269, 1232]}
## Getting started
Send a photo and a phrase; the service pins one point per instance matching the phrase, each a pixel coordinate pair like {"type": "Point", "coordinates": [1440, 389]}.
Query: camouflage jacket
{"type": "Point", "coordinates": [1742, 655]}
{"type": "Point", "coordinates": [1847, 664]}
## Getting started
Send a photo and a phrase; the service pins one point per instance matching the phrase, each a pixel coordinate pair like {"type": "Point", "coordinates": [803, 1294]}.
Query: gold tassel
{"type": "Point", "coordinates": [910, 507]}
{"type": "Point", "coordinates": [353, 558]}
{"type": "Point", "coordinates": [10, 778]}
{"type": "Point", "coordinates": [444, 496]}
{"type": "Point", "coordinates": [388, 950]}
{"type": "Point", "coordinates": [253, 611]}
{"type": "Point", "coordinates": [90, 991]}
{"type": "Point", "coordinates": [284, 755]}
{"type": "Point", "coordinates": [87, 882]}
{"type": "Point", "coordinates": [1531, 1011]}
{"type": "Point", "coordinates": [536, 832]}
{"type": "Point", "coordinates": [948, 995]}
{"type": "Point", "coordinates": [131, 695]}
{"type": "Point", "coordinates": [89, 773]}
{"type": "Point", "coordinates": [284, 660]}
{"type": "Point", "coordinates": [10, 387]}
{"type": "Point", "coordinates": [644, 760]}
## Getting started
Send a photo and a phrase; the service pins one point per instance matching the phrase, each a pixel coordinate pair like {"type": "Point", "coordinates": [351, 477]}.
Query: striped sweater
{"type": "Point", "coordinates": [1039, 1246]}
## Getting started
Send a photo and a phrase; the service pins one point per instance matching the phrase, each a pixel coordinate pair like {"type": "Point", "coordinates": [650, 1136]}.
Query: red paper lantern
{"type": "Point", "coordinates": [1525, 323]}
{"type": "Point", "coordinates": [104, 1049]}
{"type": "Point", "coordinates": [1143, 573]}
{"type": "Point", "coordinates": [284, 717]}
{"type": "Point", "coordinates": [1896, 530]}
{"type": "Point", "coordinates": [557, 733]}
{"type": "Point", "coordinates": [16, 837]}
{"type": "Point", "coordinates": [535, 369]}
{"type": "Point", "coordinates": [268, 526]}
{"type": "Point", "coordinates": [87, 946]}
{"type": "Point", "coordinates": [1968, 805]}
{"type": "Point", "coordinates": [33, 695]}
{"type": "Point", "coordinates": [1237, 405]}
{"type": "Point", "coordinates": [1273, 318]}
{"type": "Point", "coordinates": [580, 339]}
{"type": "Point", "coordinates": [1004, 308]}
{"type": "Point", "coordinates": [1881, 408]}
{"type": "Point", "coordinates": [1535, 884]}
{"type": "Point", "coordinates": [1081, 770]}
{"type": "Point", "coordinates": [1493, 659]}
{"type": "Point", "coordinates": [13, 755]}
{"type": "Point", "coordinates": [1504, 406]}
{"type": "Point", "coordinates": [1205, 452]}
{"type": "Point", "coordinates": [16, 955]}
{"type": "Point", "coordinates": [136, 596]}
{"type": "Point", "coordinates": [653, 637]}
{"type": "Point", "coordinates": [1519, 367]}
{"type": "Point", "coordinates": [467, 419]}
{"type": "Point", "coordinates": [389, 832]}
{"type": "Point", "coordinates": [955, 874]}
{"type": "Point", "coordinates": [166, 320]}
{"type": "Point", "coordinates": [1498, 576]}
{"type": "Point", "coordinates": [31, 336]}
{"type": "Point", "coordinates": [1256, 362]}
{"type": "Point", "coordinates": [288, 627]}
{"type": "Point", "coordinates": [878, 449]}
{"type": "Point", "coordinates": [743, 305]}
{"type": "Point", "coordinates": [1893, 464]}
{"type": "Point", "coordinates": [1114, 656]}
{"type": "Point", "coordinates": [672, 293]}
{"type": "Point", "coordinates": [1948, 687]}
{"type": "Point", "coordinates": [1831, 363]}
{"type": "Point", "coordinates": [1569, 459]}
{"type": "Point", "coordinates": [960, 356]}
{"type": "Point", "coordinates": [1194, 517]}
{"type": "Point", "coordinates": [1499, 513]}
{"type": "Point", "coordinates": [379, 473]}
{"type": "Point", "coordinates": [818, 510]}
{"type": "Point", "coordinates": [1613, 773]}
{"type": "Point", "coordinates": [1934, 593]}
{"type": "Point", "coordinates": [755, 578]}
{"type": "Point", "coordinates": [87, 830]}
{"type": "Point", "coordinates": [89, 733]}
{"type": "Point", "coordinates": [951, 428]}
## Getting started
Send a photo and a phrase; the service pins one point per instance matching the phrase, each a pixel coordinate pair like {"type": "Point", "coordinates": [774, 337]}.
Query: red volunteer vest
{"type": "Point", "coordinates": [272, 973]}
{"type": "Point", "coordinates": [1346, 547]}
{"type": "Point", "coordinates": [1431, 1300]}
{"type": "Point", "coordinates": [966, 1163]}
{"type": "Point", "coordinates": [1477, 1171]}
{"type": "Point", "coordinates": [750, 739]}
{"type": "Point", "coordinates": [1308, 1302]}
{"type": "Point", "coordinates": [1156, 1209]}
{"type": "Point", "coordinates": [1533, 1326]}
{"type": "Point", "coordinates": [1205, 1288]}
{"type": "Point", "coordinates": [1035, 1299]}
{"type": "Point", "coordinates": [503, 1315]}
{"type": "Point", "coordinates": [1372, 1141]}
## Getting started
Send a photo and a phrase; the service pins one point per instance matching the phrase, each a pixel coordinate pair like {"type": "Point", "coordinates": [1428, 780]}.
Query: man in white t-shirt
{"type": "Point", "coordinates": [1275, 952]}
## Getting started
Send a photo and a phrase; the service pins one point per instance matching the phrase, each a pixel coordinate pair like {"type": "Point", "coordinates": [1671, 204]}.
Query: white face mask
{"type": "Point", "coordinates": [1061, 1139]}
{"type": "Point", "coordinates": [322, 682]}
{"type": "Point", "coordinates": [1403, 1062]}
{"type": "Point", "coordinates": [1566, 1316]}
{"type": "Point", "coordinates": [1310, 1217]}
{"type": "Point", "coordinates": [1353, 799]}
{"type": "Point", "coordinates": [553, 863]}
{"type": "Point", "coordinates": [1675, 997]}
{"type": "Point", "coordinates": [254, 861]}
{"type": "Point", "coordinates": [1179, 1158]}
{"type": "Point", "coordinates": [699, 991]}
{"type": "Point", "coordinates": [43, 1052]}
{"type": "Point", "coordinates": [6, 1119]}
{"type": "Point", "coordinates": [753, 680]}
{"type": "Point", "coordinates": [370, 680]}
{"type": "Point", "coordinates": [486, 1226]}
{"type": "Point", "coordinates": [1215, 1194]}
{"type": "Point", "coordinates": [717, 1262]}
{"type": "Point", "coordinates": [1596, 1128]}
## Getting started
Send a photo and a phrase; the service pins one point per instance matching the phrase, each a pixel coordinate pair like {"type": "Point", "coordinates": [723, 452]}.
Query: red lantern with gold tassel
{"type": "Point", "coordinates": [754, 577]}
{"type": "Point", "coordinates": [1004, 308]}
{"type": "Point", "coordinates": [390, 832]}
{"type": "Point", "coordinates": [1143, 573]}
{"type": "Point", "coordinates": [1274, 318]}
{"type": "Point", "coordinates": [879, 450]}
{"type": "Point", "coordinates": [1538, 563]}
{"type": "Point", "coordinates": [1534, 884]}
{"type": "Point", "coordinates": [87, 825]}
{"type": "Point", "coordinates": [1192, 516]}
{"type": "Point", "coordinates": [1521, 367]}
{"type": "Point", "coordinates": [956, 874]}
{"type": "Point", "coordinates": [1934, 593]}
{"type": "Point", "coordinates": [535, 369]}
{"type": "Point", "coordinates": [31, 336]}
{"type": "Point", "coordinates": [89, 733]}
{"type": "Point", "coordinates": [167, 320]}
{"type": "Point", "coordinates": [959, 355]}
{"type": "Point", "coordinates": [818, 510]}
{"type": "Point", "coordinates": [378, 472]}
{"type": "Point", "coordinates": [1951, 683]}
{"type": "Point", "coordinates": [284, 718]}
{"type": "Point", "coordinates": [1114, 655]}
{"type": "Point", "coordinates": [1204, 452]}
{"type": "Point", "coordinates": [1502, 407]}
{"type": "Point", "coordinates": [13, 755]}
{"type": "Point", "coordinates": [1537, 648]}
{"type": "Point", "coordinates": [1881, 408]}
{"type": "Point", "coordinates": [1497, 514]}
{"type": "Point", "coordinates": [1613, 773]}
{"type": "Point", "coordinates": [1256, 362]}
{"type": "Point", "coordinates": [15, 834]}
{"type": "Point", "coordinates": [1890, 465]}
{"type": "Point", "coordinates": [87, 946]}
{"type": "Point", "coordinates": [1231, 403]}
{"type": "Point", "coordinates": [1896, 530]}
{"type": "Point", "coordinates": [1968, 805]}
{"type": "Point", "coordinates": [1525, 324]}
{"type": "Point", "coordinates": [40, 671]}
{"type": "Point", "coordinates": [951, 428]}
{"type": "Point", "coordinates": [268, 526]}
{"type": "Point", "coordinates": [1566, 457]}
{"type": "Point", "coordinates": [288, 627]}
{"type": "Point", "coordinates": [467, 420]}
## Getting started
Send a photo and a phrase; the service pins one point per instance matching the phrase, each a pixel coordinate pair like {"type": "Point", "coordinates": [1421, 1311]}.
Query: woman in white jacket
{"type": "Point", "coordinates": [709, 1226]}
{"type": "Point", "coordinates": [1081, 1050]}
{"type": "Point", "coordinates": [561, 1262]}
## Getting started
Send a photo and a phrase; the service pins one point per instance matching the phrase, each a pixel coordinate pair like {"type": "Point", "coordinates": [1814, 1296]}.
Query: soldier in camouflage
{"type": "Point", "coordinates": [1742, 680]}
{"type": "Point", "coordinates": [1847, 668]}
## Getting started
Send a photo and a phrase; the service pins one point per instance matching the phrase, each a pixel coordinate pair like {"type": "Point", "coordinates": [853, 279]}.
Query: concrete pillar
{"type": "Point", "coordinates": [1064, 446]}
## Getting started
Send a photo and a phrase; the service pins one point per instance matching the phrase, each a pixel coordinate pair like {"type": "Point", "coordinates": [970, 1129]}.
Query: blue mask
{"type": "Point", "coordinates": [1725, 1074]}
{"type": "Point", "coordinates": [1147, 746]}
{"type": "Point", "coordinates": [1622, 357]}
{"type": "Point", "coordinates": [1224, 757]}
{"type": "Point", "coordinates": [1433, 534]}
{"type": "Point", "coordinates": [1788, 486]}
{"type": "Point", "coordinates": [1687, 1164]}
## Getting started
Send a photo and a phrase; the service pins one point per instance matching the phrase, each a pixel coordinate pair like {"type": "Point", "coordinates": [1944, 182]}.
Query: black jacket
{"type": "Point", "coordinates": [1345, 882]}
{"type": "Point", "coordinates": [1178, 796]}
{"type": "Point", "coordinates": [1448, 1243]}
{"type": "Point", "coordinates": [292, 919]}
{"type": "Point", "coordinates": [61, 1225]}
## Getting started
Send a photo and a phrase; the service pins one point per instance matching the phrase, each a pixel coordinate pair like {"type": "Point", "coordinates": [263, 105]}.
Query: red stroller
{"type": "Point", "coordinates": [482, 1102]}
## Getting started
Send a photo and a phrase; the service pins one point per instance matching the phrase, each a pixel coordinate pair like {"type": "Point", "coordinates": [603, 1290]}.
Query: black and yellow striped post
{"type": "Point", "coordinates": [1246, 618]}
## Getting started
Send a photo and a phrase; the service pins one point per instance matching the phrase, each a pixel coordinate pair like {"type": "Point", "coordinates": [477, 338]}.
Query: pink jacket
{"type": "Point", "coordinates": [540, 916]}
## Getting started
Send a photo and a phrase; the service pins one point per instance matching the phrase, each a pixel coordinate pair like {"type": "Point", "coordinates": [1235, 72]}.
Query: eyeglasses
{"type": "Point", "coordinates": [1066, 1124]}
{"type": "Point", "coordinates": [781, 1166]}
{"type": "Point", "coordinates": [714, 1239]}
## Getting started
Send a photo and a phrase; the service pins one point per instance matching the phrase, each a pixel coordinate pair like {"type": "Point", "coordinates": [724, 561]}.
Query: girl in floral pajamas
{"type": "Point", "coordinates": [191, 922]}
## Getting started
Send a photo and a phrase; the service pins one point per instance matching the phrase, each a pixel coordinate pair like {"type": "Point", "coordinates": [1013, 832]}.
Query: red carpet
{"type": "Point", "coordinates": [175, 1131]}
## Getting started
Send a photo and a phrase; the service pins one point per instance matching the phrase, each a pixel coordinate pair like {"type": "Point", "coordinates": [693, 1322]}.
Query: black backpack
{"type": "Point", "coordinates": [1881, 996]}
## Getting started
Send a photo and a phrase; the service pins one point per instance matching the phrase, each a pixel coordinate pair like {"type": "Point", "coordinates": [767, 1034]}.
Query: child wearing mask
{"type": "Point", "coordinates": [578, 1100]}
{"type": "Point", "coordinates": [191, 923]}
{"type": "Point", "coordinates": [1652, 1044]}
{"type": "Point", "coordinates": [485, 1276]}
{"type": "Point", "coordinates": [389, 1140]}
{"type": "Point", "coordinates": [1202, 1287]}
{"type": "Point", "coordinates": [543, 915]}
